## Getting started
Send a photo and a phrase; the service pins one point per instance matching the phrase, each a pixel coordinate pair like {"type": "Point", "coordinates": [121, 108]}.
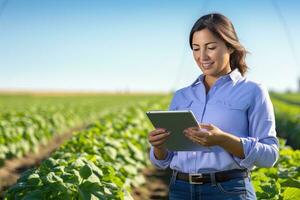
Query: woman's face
{"type": "Point", "coordinates": [211, 54]}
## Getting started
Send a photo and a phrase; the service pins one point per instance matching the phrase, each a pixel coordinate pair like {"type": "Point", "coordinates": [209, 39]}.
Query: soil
{"type": "Point", "coordinates": [156, 186]}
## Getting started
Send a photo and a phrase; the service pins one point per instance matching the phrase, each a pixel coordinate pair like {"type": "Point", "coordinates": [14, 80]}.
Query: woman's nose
{"type": "Point", "coordinates": [203, 56]}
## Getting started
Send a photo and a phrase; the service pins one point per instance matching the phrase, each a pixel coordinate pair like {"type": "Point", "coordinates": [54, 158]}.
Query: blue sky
{"type": "Point", "coordinates": [111, 45]}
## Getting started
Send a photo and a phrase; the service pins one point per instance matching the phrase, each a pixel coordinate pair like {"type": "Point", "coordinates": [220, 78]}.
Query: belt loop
{"type": "Point", "coordinates": [213, 179]}
{"type": "Point", "coordinates": [174, 175]}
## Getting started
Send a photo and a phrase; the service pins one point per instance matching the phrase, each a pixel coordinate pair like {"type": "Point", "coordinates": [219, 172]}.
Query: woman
{"type": "Point", "coordinates": [235, 115]}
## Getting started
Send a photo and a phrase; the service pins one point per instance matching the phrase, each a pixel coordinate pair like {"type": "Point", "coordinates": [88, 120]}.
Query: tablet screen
{"type": "Point", "coordinates": [175, 122]}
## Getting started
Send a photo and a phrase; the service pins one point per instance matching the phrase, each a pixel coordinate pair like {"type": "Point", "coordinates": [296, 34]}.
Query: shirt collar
{"type": "Point", "coordinates": [234, 75]}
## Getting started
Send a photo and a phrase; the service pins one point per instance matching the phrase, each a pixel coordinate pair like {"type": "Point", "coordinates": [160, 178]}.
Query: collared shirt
{"type": "Point", "coordinates": [237, 106]}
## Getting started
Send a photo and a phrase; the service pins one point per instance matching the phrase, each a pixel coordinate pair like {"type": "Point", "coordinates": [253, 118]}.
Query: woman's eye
{"type": "Point", "coordinates": [211, 48]}
{"type": "Point", "coordinates": [196, 49]}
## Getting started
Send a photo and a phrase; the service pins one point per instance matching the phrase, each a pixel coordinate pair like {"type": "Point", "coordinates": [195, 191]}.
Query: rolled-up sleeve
{"type": "Point", "coordinates": [163, 164]}
{"type": "Point", "coordinates": [261, 147]}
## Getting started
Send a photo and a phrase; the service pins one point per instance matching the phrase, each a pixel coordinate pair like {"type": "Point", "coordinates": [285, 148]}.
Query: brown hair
{"type": "Point", "coordinates": [222, 28]}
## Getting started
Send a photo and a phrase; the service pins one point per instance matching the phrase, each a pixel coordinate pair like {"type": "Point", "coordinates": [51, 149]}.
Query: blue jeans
{"type": "Point", "coordinates": [234, 189]}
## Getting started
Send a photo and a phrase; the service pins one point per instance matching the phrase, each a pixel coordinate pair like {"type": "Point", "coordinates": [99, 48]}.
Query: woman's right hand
{"type": "Point", "coordinates": [158, 137]}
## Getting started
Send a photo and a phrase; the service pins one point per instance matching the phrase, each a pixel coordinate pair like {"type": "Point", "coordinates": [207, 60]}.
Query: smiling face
{"type": "Point", "coordinates": [211, 54]}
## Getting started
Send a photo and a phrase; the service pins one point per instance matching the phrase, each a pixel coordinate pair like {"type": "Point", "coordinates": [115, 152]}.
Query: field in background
{"type": "Point", "coordinates": [104, 160]}
{"type": "Point", "coordinates": [28, 120]}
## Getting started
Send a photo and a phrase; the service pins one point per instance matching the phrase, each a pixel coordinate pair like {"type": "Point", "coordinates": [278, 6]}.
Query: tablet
{"type": "Point", "coordinates": [175, 122]}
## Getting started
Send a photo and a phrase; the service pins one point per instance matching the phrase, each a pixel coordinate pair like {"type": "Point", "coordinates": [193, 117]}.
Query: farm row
{"type": "Point", "coordinates": [28, 121]}
{"type": "Point", "coordinates": [101, 162]}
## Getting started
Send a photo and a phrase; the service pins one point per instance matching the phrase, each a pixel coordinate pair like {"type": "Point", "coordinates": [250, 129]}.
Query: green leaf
{"type": "Point", "coordinates": [70, 178]}
{"type": "Point", "coordinates": [79, 162]}
{"type": "Point", "coordinates": [90, 191]}
{"type": "Point", "coordinates": [34, 195]}
{"type": "Point", "coordinates": [85, 171]}
{"type": "Point", "coordinates": [136, 152]}
{"type": "Point", "coordinates": [53, 178]}
{"type": "Point", "coordinates": [112, 152]}
{"type": "Point", "coordinates": [130, 169]}
{"type": "Point", "coordinates": [96, 170]}
{"type": "Point", "coordinates": [34, 179]}
{"type": "Point", "coordinates": [50, 163]}
{"type": "Point", "coordinates": [291, 193]}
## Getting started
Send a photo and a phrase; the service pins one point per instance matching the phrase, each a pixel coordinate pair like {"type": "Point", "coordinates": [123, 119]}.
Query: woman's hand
{"type": "Point", "coordinates": [210, 135]}
{"type": "Point", "coordinates": [205, 135]}
{"type": "Point", "coordinates": [158, 137]}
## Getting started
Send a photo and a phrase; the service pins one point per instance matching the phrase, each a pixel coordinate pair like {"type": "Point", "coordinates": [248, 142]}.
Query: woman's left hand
{"type": "Point", "coordinates": [205, 135]}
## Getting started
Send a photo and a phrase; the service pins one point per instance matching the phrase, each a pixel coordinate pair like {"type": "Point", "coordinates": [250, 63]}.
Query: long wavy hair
{"type": "Point", "coordinates": [221, 27]}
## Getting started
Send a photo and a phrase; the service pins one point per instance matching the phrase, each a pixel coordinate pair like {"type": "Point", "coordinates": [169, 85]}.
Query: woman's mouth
{"type": "Point", "coordinates": [207, 65]}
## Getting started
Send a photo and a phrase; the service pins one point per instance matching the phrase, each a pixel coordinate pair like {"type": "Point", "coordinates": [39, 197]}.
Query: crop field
{"type": "Point", "coordinates": [292, 98]}
{"type": "Point", "coordinates": [104, 159]}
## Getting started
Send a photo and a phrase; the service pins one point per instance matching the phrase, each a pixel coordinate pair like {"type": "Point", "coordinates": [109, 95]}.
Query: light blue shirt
{"type": "Point", "coordinates": [237, 106]}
